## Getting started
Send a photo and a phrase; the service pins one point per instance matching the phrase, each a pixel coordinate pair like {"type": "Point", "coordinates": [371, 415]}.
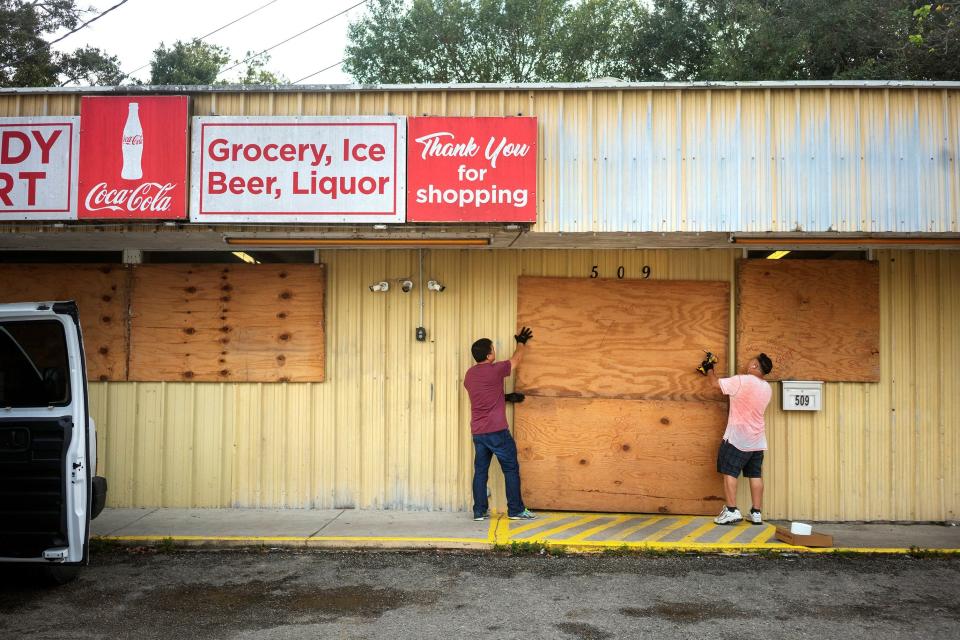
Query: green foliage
{"type": "Point", "coordinates": [452, 41]}
{"type": "Point", "coordinates": [188, 63]}
{"type": "Point", "coordinates": [26, 58]}
{"type": "Point", "coordinates": [256, 72]}
{"type": "Point", "coordinates": [531, 548]}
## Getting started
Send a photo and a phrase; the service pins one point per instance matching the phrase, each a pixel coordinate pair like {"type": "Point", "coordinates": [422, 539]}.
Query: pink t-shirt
{"type": "Point", "coordinates": [749, 397]}
{"type": "Point", "coordinates": [484, 385]}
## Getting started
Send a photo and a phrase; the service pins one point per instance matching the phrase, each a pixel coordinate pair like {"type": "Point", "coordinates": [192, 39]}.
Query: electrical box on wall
{"type": "Point", "coordinates": [802, 395]}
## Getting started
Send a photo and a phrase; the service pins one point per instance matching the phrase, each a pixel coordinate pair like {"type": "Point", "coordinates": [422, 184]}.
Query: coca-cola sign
{"type": "Point", "coordinates": [134, 157]}
{"type": "Point", "coordinates": [38, 168]}
{"type": "Point", "coordinates": [472, 169]}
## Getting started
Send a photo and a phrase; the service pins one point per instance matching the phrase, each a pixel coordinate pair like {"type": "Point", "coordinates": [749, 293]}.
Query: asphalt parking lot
{"type": "Point", "coordinates": [148, 593]}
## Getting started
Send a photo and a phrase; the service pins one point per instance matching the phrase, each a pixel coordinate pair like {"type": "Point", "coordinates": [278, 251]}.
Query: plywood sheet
{"type": "Point", "coordinates": [644, 456]}
{"type": "Point", "coordinates": [102, 296]}
{"type": "Point", "coordinates": [241, 323]}
{"type": "Point", "coordinates": [620, 338]}
{"type": "Point", "coordinates": [816, 319]}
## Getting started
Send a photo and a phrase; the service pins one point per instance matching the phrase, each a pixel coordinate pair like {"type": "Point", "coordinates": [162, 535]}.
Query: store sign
{"type": "Point", "coordinates": [38, 168]}
{"type": "Point", "coordinates": [472, 170]}
{"type": "Point", "coordinates": [134, 157]}
{"type": "Point", "coordinates": [298, 169]}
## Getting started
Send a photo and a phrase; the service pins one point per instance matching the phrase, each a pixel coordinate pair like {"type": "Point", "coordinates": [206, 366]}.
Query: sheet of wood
{"type": "Point", "coordinates": [633, 456]}
{"type": "Point", "coordinates": [102, 296]}
{"type": "Point", "coordinates": [620, 338]}
{"type": "Point", "coordinates": [240, 323]}
{"type": "Point", "coordinates": [816, 319]}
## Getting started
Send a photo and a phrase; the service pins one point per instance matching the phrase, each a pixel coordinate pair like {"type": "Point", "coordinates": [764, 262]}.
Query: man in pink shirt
{"type": "Point", "coordinates": [488, 425]}
{"type": "Point", "coordinates": [744, 441]}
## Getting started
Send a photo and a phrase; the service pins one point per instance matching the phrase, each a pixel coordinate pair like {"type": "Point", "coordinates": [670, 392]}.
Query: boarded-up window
{"type": "Point", "coordinates": [816, 319]}
{"type": "Point", "coordinates": [102, 294]}
{"type": "Point", "coordinates": [616, 417]}
{"type": "Point", "coordinates": [237, 322]}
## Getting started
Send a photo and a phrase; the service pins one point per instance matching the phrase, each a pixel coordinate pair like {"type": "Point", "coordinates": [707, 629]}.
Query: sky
{"type": "Point", "coordinates": [132, 31]}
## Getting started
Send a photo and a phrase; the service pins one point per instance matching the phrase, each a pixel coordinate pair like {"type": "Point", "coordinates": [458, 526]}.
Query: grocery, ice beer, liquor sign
{"type": "Point", "coordinates": [38, 168]}
{"type": "Point", "coordinates": [298, 169]}
{"type": "Point", "coordinates": [472, 169]}
{"type": "Point", "coordinates": [133, 157]}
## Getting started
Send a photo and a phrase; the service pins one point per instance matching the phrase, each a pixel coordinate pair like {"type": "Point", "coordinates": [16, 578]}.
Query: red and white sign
{"type": "Point", "coordinates": [134, 157]}
{"type": "Point", "coordinates": [298, 169]}
{"type": "Point", "coordinates": [38, 168]}
{"type": "Point", "coordinates": [472, 170]}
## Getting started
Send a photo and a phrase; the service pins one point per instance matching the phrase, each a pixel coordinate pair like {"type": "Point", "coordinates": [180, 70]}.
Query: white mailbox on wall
{"type": "Point", "coordinates": [802, 395]}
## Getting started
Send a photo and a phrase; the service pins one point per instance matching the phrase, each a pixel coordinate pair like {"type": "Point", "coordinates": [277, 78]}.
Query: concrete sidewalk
{"type": "Point", "coordinates": [348, 528]}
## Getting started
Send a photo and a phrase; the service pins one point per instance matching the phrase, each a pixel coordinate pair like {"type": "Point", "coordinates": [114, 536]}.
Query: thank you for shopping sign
{"type": "Point", "coordinates": [298, 169]}
{"type": "Point", "coordinates": [38, 168]}
{"type": "Point", "coordinates": [472, 169]}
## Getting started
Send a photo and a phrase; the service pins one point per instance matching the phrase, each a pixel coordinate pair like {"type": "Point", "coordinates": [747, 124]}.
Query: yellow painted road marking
{"type": "Point", "coordinates": [544, 535]}
{"type": "Point", "coordinates": [492, 531]}
{"type": "Point", "coordinates": [595, 530]}
{"type": "Point", "coordinates": [659, 535]}
{"type": "Point", "coordinates": [735, 530]}
{"type": "Point", "coordinates": [630, 530]}
{"type": "Point", "coordinates": [699, 531]}
{"type": "Point", "coordinates": [765, 536]}
{"type": "Point", "coordinates": [539, 522]}
{"type": "Point", "coordinates": [159, 538]}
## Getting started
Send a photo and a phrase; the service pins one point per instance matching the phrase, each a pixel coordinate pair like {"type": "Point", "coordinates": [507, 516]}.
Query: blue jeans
{"type": "Point", "coordinates": [485, 446]}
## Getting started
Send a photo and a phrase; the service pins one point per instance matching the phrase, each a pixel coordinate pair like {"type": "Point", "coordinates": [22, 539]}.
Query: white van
{"type": "Point", "coordinates": [48, 445]}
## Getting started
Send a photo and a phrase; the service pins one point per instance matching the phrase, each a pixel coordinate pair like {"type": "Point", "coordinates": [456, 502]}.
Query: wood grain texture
{"type": "Point", "coordinates": [620, 338]}
{"type": "Point", "coordinates": [102, 296]}
{"type": "Point", "coordinates": [238, 323]}
{"type": "Point", "coordinates": [816, 319]}
{"type": "Point", "coordinates": [643, 456]}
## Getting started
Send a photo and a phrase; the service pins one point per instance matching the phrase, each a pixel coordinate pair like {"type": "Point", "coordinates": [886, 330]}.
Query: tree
{"type": "Point", "coordinates": [479, 40]}
{"type": "Point", "coordinates": [26, 58]}
{"type": "Point", "coordinates": [187, 63]}
{"type": "Point", "coordinates": [256, 72]}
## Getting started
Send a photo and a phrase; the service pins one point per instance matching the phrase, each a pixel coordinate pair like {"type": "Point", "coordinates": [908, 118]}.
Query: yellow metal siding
{"type": "Point", "coordinates": [390, 428]}
{"type": "Point", "coordinates": [861, 159]}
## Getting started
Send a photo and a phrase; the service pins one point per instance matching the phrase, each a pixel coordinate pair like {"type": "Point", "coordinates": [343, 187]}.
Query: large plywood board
{"type": "Point", "coordinates": [643, 456]}
{"type": "Point", "coordinates": [620, 338]}
{"type": "Point", "coordinates": [102, 296]}
{"type": "Point", "coordinates": [228, 323]}
{"type": "Point", "coordinates": [816, 319]}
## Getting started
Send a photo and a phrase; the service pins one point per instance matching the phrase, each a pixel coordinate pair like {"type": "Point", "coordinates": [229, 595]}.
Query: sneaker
{"type": "Point", "coordinates": [728, 517]}
{"type": "Point", "coordinates": [755, 517]}
{"type": "Point", "coordinates": [485, 516]}
{"type": "Point", "coordinates": [526, 514]}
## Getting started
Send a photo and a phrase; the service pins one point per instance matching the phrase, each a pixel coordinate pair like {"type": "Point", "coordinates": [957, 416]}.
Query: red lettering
{"type": "Point", "coordinates": [216, 183]}
{"type": "Point", "coordinates": [5, 156]}
{"type": "Point", "coordinates": [46, 145]}
{"type": "Point", "coordinates": [6, 185]}
{"type": "Point", "coordinates": [31, 177]}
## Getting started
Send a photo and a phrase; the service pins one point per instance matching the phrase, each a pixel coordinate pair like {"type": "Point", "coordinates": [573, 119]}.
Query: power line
{"type": "Point", "coordinates": [335, 64]}
{"type": "Point", "coordinates": [204, 37]}
{"type": "Point", "coordinates": [297, 35]}
{"type": "Point", "coordinates": [90, 21]}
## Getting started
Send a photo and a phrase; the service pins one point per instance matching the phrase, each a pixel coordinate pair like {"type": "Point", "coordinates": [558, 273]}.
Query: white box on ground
{"type": "Point", "coordinates": [800, 529]}
{"type": "Point", "coordinates": [802, 395]}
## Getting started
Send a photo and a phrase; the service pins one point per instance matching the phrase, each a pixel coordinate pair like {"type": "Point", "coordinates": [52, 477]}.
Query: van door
{"type": "Point", "coordinates": [45, 477]}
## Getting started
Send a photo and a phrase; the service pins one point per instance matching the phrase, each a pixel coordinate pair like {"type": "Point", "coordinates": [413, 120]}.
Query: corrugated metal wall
{"type": "Point", "coordinates": [389, 429]}
{"type": "Point", "coordinates": [870, 159]}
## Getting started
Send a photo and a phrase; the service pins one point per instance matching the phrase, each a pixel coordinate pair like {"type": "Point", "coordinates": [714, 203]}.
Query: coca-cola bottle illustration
{"type": "Point", "coordinates": [132, 146]}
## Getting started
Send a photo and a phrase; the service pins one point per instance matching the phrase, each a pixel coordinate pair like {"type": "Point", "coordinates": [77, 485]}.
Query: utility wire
{"type": "Point", "coordinates": [335, 64]}
{"type": "Point", "coordinates": [296, 35]}
{"type": "Point", "coordinates": [90, 21]}
{"type": "Point", "coordinates": [201, 38]}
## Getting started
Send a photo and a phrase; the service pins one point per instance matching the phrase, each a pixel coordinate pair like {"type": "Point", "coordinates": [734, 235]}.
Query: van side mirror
{"type": "Point", "coordinates": [55, 384]}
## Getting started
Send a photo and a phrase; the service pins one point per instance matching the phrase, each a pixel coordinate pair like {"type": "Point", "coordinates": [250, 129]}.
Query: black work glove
{"type": "Point", "coordinates": [514, 397]}
{"type": "Point", "coordinates": [707, 364]}
{"type": "Point", "coordinates": [524, 335]}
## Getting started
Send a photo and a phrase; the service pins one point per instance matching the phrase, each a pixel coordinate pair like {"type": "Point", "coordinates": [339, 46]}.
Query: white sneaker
{"type": "Point", "coordinates": [755, 517]}
{"type": "Point", "coordinates": [728, 517]}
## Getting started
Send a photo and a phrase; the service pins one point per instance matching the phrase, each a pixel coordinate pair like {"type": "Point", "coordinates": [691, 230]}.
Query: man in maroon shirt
{"type": "Point", "coordinates": [488, 424]}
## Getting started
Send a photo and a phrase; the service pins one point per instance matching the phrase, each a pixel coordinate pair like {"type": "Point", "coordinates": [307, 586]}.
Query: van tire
{"type": "Point", "coordinates": [55, 575]}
